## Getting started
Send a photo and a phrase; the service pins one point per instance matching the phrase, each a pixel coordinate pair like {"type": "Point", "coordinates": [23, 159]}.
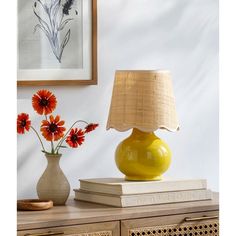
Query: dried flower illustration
{"type": "Point", "coordinates": [67, 6]}
{"type": "Point", "coordinates": [53, 21]}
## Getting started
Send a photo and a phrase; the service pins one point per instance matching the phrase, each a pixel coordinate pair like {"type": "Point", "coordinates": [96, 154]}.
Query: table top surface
{"type": "Point", "coordinates": [78, 212]}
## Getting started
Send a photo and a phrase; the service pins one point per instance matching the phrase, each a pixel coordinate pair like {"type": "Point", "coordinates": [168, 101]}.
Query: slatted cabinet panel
{"type": "Point", "coordinates": [197, 224]}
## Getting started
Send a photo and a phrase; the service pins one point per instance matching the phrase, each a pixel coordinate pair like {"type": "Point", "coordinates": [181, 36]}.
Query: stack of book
{"type": "Point", "coordinates": [120, 193]}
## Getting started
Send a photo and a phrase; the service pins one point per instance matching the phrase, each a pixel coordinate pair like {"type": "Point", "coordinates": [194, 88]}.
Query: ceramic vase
{"type": "Point", "coordinates": [143, 156]}
{"type": "Point", "coordinates": [53, 184]}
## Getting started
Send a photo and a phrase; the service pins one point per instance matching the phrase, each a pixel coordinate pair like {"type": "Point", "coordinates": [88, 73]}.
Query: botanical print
{"type": "Point", "coordinates": [54, 16]}
{"type": "Point", "coordinates": [54, 39]}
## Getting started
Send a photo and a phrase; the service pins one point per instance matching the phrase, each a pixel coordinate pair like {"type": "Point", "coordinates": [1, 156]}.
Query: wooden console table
{"type": "Point", "coordinates": [86, 219]}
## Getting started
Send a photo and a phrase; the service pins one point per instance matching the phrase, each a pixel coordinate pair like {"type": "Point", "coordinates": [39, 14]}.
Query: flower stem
{"type": "Point", "coordinates": [52, 147]}
{"type": "Point", "coordinates": [38, 137]}
{"type": "Point", "coordinates": [64, 137]}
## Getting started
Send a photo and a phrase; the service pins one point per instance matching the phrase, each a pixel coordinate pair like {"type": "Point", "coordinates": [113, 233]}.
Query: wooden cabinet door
{"type": "Point", "coordinates": [99, 229]}
{"type": "Point", "coordinates": [195, 224]}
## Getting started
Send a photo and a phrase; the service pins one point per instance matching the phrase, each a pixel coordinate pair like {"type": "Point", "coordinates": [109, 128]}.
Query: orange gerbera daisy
{"type": "Point", "coordinates": [53, 129]}
{"type": "Point", "coordinates": [90, 127]}
{"type": "Point", "coordinates": [75, 138]}
{"type": "Point", "coordinates": [44, 102]}
{"type": "Point", "coordinates": [23, 123]}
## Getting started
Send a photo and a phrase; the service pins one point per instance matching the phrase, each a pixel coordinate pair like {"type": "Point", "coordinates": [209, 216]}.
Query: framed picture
{"type": "Point", "coordinates": [57, 42]}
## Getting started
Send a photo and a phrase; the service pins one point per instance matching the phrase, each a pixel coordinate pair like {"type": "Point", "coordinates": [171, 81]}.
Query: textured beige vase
{"type": "Point", "coordinates": [53, 184]}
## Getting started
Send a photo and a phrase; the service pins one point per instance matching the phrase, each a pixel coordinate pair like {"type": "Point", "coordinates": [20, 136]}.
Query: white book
{"type": "Point", "coordinates": [119, 186]}
{"type": "Point", "coordinates": [143, 199]}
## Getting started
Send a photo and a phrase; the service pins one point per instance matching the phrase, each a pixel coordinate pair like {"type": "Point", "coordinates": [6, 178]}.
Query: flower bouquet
{"type": "Point", "coordinates": [53, 185]}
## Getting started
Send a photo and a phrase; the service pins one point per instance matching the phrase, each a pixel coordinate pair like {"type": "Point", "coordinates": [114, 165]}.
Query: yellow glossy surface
{"type": "Point", "coordinates": [143, 156]}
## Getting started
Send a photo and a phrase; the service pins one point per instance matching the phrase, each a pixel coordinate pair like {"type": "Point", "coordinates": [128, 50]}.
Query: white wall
{"type": "Point", "coordinates": [181, 36]}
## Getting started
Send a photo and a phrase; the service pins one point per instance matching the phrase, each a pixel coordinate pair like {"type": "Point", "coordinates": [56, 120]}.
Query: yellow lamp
{"type": "Point", "coordinates": [142, 101]}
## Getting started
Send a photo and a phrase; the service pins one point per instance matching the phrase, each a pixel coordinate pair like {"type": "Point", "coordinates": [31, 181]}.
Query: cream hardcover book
{"type": "Point", "coordinates": [143, 199]}
{"type": "Point", "coordinates": [119, 186]}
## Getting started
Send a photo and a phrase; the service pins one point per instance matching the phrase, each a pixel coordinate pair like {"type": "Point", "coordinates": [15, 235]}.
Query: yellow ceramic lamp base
{"type": "Point", "coordinates": [143, 156]}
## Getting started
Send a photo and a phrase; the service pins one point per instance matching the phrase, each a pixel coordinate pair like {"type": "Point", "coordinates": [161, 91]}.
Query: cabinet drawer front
{"type": "Point", "coordinates": [204, 223]}
{"type": "Point", "coordinates": [99, 229]}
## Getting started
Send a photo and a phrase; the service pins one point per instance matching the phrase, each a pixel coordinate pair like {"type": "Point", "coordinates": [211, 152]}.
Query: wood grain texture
{"type": "Point", "coordinates": [34, 205]}
{"type": "Point", "coordinates": [100, 229]}
{"type": "Point", "coordinates": [92, 81]}
{"type": "Point", "coordinates": [76, 212]}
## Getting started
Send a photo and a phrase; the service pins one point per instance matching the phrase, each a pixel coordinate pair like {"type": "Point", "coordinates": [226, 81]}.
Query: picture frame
{"type": "Point", "coordinates": [62, 53]}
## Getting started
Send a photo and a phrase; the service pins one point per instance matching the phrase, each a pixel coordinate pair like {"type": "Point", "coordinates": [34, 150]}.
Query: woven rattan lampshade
{"type": "Point", "coordinates": [142, 100]}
